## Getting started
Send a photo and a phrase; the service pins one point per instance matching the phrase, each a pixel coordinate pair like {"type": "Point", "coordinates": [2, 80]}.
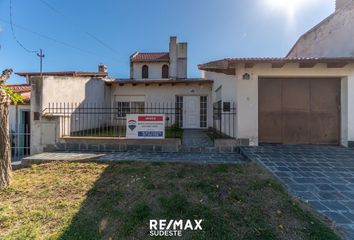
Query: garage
{"type": "Point", "coordinates": [299, 110]}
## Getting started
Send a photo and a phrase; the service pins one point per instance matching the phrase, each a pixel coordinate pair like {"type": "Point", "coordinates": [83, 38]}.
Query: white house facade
{"type": "Point", "coordinates": [62, 102]}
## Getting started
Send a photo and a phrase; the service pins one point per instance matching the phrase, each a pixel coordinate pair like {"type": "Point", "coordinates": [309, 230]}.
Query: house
{"type": "Point", "coordinates": [92, 104]}
{"type": "Point", "coordinates": [19, 121]}
{"type": "Point", "coordinates": [304, 98]}
{"type": "Point", "coordinates": [333, 37]}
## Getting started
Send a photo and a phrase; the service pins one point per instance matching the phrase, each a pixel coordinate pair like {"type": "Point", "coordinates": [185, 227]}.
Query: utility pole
{"type": "Point", "coordinates": [41, 56]}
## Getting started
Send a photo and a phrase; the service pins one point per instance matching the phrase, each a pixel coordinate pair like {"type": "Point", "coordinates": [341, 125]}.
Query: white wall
{"type": "Point", "coordinates": [56, 89]}
{"type": "Point", "coordinates": [350, 115]}
{"type": "Point", "coordinates": [332, 38]}
{"type": "Point", "coordinates": [155, 70]}
{"type": "Point", "coordinates": [225, 90]}
{"type": "Point", "coordinates": [165, 94]}
{"type": "Point", "coordinates": [14, 116]}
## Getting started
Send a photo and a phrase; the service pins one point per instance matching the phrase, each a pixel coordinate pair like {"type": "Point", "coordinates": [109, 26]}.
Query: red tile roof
{"type": "Point", "coordinates": [150, 57]}
{"type": "Point", "coordinates": [68, 74]}
{"type": "Point", "coordinates": [20, 88]}
{"type": "Point", "coordinates": [23, 89]}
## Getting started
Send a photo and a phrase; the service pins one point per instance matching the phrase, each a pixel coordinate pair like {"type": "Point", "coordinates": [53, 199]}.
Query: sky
{"type": "Point", "coordinates": [78, 35]}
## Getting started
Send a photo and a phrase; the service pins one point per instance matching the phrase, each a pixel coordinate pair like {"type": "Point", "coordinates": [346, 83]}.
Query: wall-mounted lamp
{"type": "Point", "coordinates": [246, 76]}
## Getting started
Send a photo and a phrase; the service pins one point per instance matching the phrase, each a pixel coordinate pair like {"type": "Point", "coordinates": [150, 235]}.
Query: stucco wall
{"type": "Point", "coordinates": [14, 115]}
{"type": "Point", "coordinates": [165, 94]}
{"type": "Point", "coordinates": [246, 92]}
{"type": "Point", "coordinates": [331, 38]}
{"type": "Point", "coordinates": [225, 90]}
{"type": "Point", "coordinates": [155, 70]}
{"type": "Point", "coordinates": [55, 89]}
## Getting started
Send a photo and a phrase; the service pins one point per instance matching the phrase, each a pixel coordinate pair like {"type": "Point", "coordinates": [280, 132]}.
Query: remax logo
{"type": "Point", "coordinates": [132, 124]}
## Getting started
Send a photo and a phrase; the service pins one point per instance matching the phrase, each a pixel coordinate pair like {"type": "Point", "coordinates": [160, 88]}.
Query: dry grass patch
{"type": "Point", "coordinates": [116, 201]}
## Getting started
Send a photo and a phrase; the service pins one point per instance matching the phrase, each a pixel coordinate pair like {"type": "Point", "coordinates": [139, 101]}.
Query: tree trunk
{"type": "Point", "coordinates": [5, 148]}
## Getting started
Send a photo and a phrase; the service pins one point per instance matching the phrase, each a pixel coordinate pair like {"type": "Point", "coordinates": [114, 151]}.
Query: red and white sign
{"type": "Point", "coordinates": [145, 126]}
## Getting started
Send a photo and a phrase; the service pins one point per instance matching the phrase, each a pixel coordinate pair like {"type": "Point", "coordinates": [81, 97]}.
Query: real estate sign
{"type": "Point", "coordinates": [145, 126]}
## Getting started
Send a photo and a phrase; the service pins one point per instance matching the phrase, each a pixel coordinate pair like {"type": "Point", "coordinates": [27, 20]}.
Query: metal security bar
{"type": "Point", "coordinates": [104, 120]}
{"type": "Point", "coordinates": [20, 142]}
{"type": "Point", "coordinates": [224, 119]}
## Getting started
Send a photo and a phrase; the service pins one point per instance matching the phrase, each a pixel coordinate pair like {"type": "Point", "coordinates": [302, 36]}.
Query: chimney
{"type": "Point", "coordinates": [182, 55]}
{"type": "Point", "coordinates": [173, 58]}
{"type": "Point", "coordinates": [102, 68]}
{"type": "Point", "coordinates": [340, 4]}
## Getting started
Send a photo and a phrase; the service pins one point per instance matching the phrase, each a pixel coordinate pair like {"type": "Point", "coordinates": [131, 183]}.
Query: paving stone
{"type": "Point", "coordinates": [337, 217]}
{"type": "Point", "coordinates": [325, 187]}
{"type": "Point", "coordinates": [331, 196]}
{"type": "Point", "coordinates": [326, 172]}
{"type": "Point", "coordinates": [334, 205]}
{"type": "Point", "coordinates": [196, 138]}
{"type": "Point", "coordinates": [318, 206]}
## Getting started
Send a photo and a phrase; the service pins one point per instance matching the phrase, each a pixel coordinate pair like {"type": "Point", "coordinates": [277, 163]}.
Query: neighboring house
{"type": "Point", "coordinates": [20, 121]}
{"type": "Point", "coordinates": [305, 98]}
{"type": "Point", "coordinates": [158, 82]}
{"type": "Point", "coordinates": [333, 37]}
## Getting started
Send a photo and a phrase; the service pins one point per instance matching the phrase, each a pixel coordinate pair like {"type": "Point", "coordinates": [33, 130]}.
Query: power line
{"type": "Point", "coordinates": [14, 35]}
{"type": "Point", "coordinates": [57, 41]}
{"type": "Point", "coordinates": [78, 26]}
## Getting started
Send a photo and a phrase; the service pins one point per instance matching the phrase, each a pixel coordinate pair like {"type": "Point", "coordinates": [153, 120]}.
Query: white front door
{"type": "Point", "coordinates": [191, 112]}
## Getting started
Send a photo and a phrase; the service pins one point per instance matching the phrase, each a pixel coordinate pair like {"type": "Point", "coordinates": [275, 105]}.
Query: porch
{"type": "Point", "coordinates": [102, 127]}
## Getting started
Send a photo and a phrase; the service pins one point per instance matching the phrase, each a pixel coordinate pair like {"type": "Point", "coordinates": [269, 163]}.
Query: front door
{"type": "Point", "coordinates": [191, 113]}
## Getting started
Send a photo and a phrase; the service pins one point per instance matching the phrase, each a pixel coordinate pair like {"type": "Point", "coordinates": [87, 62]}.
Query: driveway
{"type": "Point", "coordinates": [322, 176]}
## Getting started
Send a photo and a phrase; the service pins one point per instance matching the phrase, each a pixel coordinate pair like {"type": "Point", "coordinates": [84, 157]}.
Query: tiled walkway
{"type": "Point", "coordinates": [196, 138]}
{"type": "Point", "coordinates": [322, 176]}
{"type": "Point", "coordinates": [199, 158]}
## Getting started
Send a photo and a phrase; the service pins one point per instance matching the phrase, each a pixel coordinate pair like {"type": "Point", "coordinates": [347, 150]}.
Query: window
{"type": "Point", "coordinates": [226, 106]}
{"type": "Point", "coordinates": [203, 111]}
{"type": "Point", "coordinates": [165, 70]}
{"type": "Point", "coordinates": [145, 72]}
{"type": "Point", "coordinates": [179, 111]}
{"type": "Point", "coordinates": [217, 110]}
{"type": "Point", "coordinates": [137, 107]}
{"type": "Point", "coordinates": [125, 108]}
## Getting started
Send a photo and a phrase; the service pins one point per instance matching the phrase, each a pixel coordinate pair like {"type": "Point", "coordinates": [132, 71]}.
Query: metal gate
{"type": "Point", "coordinates": [20, 142]}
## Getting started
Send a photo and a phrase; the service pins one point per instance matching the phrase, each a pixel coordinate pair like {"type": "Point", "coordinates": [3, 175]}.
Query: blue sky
{"type": "Point", "coordinates": [80, 34]}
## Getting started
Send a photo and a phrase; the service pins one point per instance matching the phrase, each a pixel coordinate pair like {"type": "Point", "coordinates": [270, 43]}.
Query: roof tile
{"type": "Point", "coordinates": [151, 57]}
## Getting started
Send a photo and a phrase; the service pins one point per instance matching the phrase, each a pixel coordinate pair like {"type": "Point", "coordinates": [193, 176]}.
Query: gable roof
{"type": "Point", "coordinates": [150, 57]}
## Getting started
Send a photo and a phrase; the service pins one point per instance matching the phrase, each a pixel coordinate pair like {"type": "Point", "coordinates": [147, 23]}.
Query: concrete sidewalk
{"type": "Point", "coordinates": [194, 158]}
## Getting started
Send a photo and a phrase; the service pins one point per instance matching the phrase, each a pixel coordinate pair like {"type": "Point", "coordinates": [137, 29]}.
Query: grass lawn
{"type": "Point", "coordinates": [116, 201]}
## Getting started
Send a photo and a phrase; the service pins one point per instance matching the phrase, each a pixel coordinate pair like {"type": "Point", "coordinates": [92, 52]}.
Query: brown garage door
{"type": "Point", "coordinates": [299, 111]}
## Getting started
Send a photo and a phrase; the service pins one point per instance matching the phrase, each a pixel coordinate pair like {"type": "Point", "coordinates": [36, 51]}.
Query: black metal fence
{"type": "Point", "coordinates": [224, 119]}
{"type": "Point", "coordinates": [103, 120]}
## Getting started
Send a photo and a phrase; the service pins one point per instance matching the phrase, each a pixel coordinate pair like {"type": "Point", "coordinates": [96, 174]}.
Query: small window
{"type": "Point", "coordinates": [203, 111]}
{"type": "Point", "coordinates": [226, 106]}
{"type": "Point", "coordinates": [165, 70]}
{"type": "Point", "coordinates": [217, 110]}
{"type": "Point", "coordinates": [124, 108]}
{"type": "Point", "coordinates": [145, 72]}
